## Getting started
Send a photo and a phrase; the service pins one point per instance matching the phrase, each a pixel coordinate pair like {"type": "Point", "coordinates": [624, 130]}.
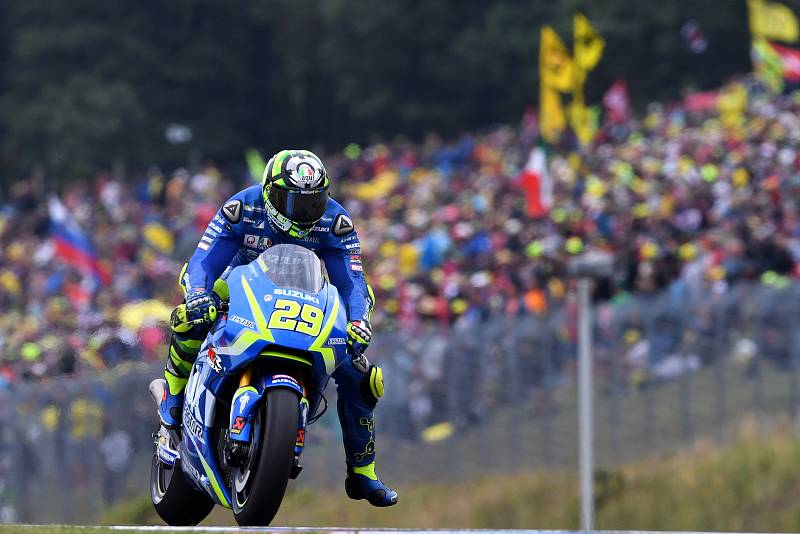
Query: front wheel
{"type": "Point", "coordinates": [260, 483]}
{"type": "Point", "coordinates": [174, 498]}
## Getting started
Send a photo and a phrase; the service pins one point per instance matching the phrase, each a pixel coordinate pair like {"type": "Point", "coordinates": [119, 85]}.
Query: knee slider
{"type": "Point", "coordinates": [372, 385]}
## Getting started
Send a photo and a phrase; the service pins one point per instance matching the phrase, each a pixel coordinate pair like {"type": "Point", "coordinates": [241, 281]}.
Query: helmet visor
{"type": "Point", "coordinates": [301, 207]}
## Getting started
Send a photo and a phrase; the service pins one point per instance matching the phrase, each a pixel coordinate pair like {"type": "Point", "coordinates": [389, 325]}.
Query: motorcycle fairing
{"type": "Point", "coordinates": [198, 449]}
{"type": "Point", "coordinates": [240, 337]}
{"type": "Point", "coordinates": [245, 332]}
{"type": "Point", "coordinates": [247, 399]}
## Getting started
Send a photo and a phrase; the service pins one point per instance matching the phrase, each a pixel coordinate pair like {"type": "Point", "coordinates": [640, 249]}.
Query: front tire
{"type": "Point", "coordinates": [174, 498]}
{"type": "Point", "coordinates": [261, 482]}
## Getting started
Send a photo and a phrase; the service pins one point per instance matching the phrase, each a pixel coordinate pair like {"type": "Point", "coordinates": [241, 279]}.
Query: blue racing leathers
{"type": "Point", "coordinates": [237, 234]}
{"type": "Point", "coordinates": [241, 230]}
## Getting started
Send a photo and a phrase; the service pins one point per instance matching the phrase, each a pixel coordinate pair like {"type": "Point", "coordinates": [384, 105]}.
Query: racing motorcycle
{"type": "Point", "coordinates": [257, 380]}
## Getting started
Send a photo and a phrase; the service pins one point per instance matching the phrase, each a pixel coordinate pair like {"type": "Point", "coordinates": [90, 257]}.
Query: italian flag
{"type": "Point", "coordinates": [536, 183]}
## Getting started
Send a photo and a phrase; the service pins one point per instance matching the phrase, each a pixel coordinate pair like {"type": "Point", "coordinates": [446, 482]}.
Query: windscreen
{"type": "Point", "coordinates": [293, 267]}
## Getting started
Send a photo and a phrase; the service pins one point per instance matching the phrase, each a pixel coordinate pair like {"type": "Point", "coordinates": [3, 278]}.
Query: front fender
{"type": "Point", "coordinates": [248, 398]}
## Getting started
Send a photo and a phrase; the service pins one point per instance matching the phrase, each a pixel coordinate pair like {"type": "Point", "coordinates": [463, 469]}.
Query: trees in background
{"type": "Point", "coordinates": [84, 84]}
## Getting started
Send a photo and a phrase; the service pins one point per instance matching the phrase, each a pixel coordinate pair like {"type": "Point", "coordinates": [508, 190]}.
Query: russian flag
{"type": "Point", "coordinates": [72, 245]}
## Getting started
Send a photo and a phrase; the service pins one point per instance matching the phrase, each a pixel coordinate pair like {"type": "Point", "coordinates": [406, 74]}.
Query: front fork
{"type": "Point", "coordinates": [244, 407]}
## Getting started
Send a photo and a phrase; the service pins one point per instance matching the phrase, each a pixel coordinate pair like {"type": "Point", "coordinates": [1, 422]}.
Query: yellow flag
{"type": "Point", "coordinates": [552, 119]}
{"type": "Point", "coordinates": [772, 20]}
{"type": "Point", "coordinates": [159, 237]}
{"type": "Point", "coordinates": [588, 43]}
{"type": "Point", "coordinates": [581, 118]}
{"type": "Point", "coordinates": [379, 186]}
{"type": "Point", "coordinates": [588, 51]}
{"type": "Point", "coordinates": [768, 64]}
{"type": "Point", "coordinates": [731, 104]}
{"type": "Point", "coordinates": [555, 64]}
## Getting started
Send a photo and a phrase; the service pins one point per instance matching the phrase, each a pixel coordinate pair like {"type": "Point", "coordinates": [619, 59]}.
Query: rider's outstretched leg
{"type": "Point", "coordinates": [184, 344]}
{"type": "Point", "coordinates": [358, 394]}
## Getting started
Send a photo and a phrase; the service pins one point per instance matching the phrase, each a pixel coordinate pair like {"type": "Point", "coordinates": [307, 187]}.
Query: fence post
{"type": "Point", "coordinates": [718, 313]}
{"type": "Point", "coordinates": [648, 331]}
{"type": "Point", "coordinates": [758, 367]}
{"type": "Point", "coordinates": [511, 350]}
{"type": "Point", "coordinates": [585, 404]}
{"type": "Point", "coordinates": [588, 266]}
{"type": "Point", "coordinates": [793, 338]}
{"type": "Point", "coordinates": [549, 333]}
{"type": "Point", "coordinates": [615, 380]}
{"type": "Point", "coordinates": [685, 390]}
{"type": "Point", "coordinates": [469, 355]}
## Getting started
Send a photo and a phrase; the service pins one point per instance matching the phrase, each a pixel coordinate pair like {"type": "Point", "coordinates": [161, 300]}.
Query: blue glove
{"type": "Point", "coordinates": [201, 306]}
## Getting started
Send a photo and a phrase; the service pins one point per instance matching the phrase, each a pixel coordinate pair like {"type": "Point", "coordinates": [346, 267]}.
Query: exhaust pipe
{"type": "Point", "coordinates": [157, 389]}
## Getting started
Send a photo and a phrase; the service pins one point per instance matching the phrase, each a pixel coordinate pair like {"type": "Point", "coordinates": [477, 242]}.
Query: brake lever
{"type": "Point", "coordinates": [222, 308]}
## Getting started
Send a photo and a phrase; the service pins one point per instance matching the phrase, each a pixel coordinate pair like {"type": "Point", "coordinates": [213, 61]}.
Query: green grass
{"type": "Point", "coordinates": [630, 425]}
{"type": "Point", "coordinates": [751, 485]}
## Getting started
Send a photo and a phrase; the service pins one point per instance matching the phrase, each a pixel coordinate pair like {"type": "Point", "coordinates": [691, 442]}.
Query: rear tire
{"type": "Point", "coordinates": [174, 498]}
{"type": "Point", "coordinates": [267, 472]}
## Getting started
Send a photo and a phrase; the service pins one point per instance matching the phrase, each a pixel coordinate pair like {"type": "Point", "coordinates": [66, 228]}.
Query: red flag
{"type": "Point", "coordinates": [77, 294]}
{"type": "Point", "coordinates": [791, 62]}
{"type": "Point", "coordinates": [703, 101]}
{"type": "Point", "coordinates": [616, 102]}
{"type": "Point", "coordinates": [536, 182]}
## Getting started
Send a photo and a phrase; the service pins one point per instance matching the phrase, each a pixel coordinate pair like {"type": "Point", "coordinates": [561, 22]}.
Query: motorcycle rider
{"type": "Point", "coordinates": [292, 205]}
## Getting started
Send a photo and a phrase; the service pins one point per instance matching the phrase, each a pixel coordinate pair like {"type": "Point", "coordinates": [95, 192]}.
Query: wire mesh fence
{"type": "Point", "coordinates": [474, 399]}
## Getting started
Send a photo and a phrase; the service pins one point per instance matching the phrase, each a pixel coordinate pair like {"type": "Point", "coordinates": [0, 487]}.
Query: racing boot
{"type": "Point", "coordinates": [363, 483]}
{"type": "Point", "coordinates": [171, 406]}
{"type": "Point", "coordinates": [359, 390]}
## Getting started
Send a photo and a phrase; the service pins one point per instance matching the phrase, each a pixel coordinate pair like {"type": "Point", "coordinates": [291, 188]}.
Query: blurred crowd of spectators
{"type": "Point", "coordinates": [698, 198]}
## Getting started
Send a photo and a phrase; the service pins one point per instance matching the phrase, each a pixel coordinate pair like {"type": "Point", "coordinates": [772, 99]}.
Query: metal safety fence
{"type": "Point", "coordinates": [473, 399]}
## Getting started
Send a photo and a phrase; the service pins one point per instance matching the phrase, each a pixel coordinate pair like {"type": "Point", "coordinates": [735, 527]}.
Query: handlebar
{"type": "Point", "coordinates": [213, 311]}
{"type": "Point", "coordinates": [359, 360]}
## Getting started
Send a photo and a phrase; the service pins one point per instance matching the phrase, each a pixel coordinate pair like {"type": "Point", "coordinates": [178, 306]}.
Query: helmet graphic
{"type": "Point", "coordinates": [295, 187]}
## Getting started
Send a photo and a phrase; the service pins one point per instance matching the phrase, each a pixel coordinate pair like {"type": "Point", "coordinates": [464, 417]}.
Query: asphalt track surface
{"type": "Point", "coordinates": [346, 530]}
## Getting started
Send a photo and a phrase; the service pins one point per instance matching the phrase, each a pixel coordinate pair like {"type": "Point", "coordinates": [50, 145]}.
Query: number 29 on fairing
{"type": "Point", "coordinates": [291, 315]}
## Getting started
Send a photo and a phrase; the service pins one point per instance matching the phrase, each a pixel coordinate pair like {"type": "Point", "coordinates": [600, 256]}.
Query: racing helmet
{"type": "Point", "coordinates": [295, 187]}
